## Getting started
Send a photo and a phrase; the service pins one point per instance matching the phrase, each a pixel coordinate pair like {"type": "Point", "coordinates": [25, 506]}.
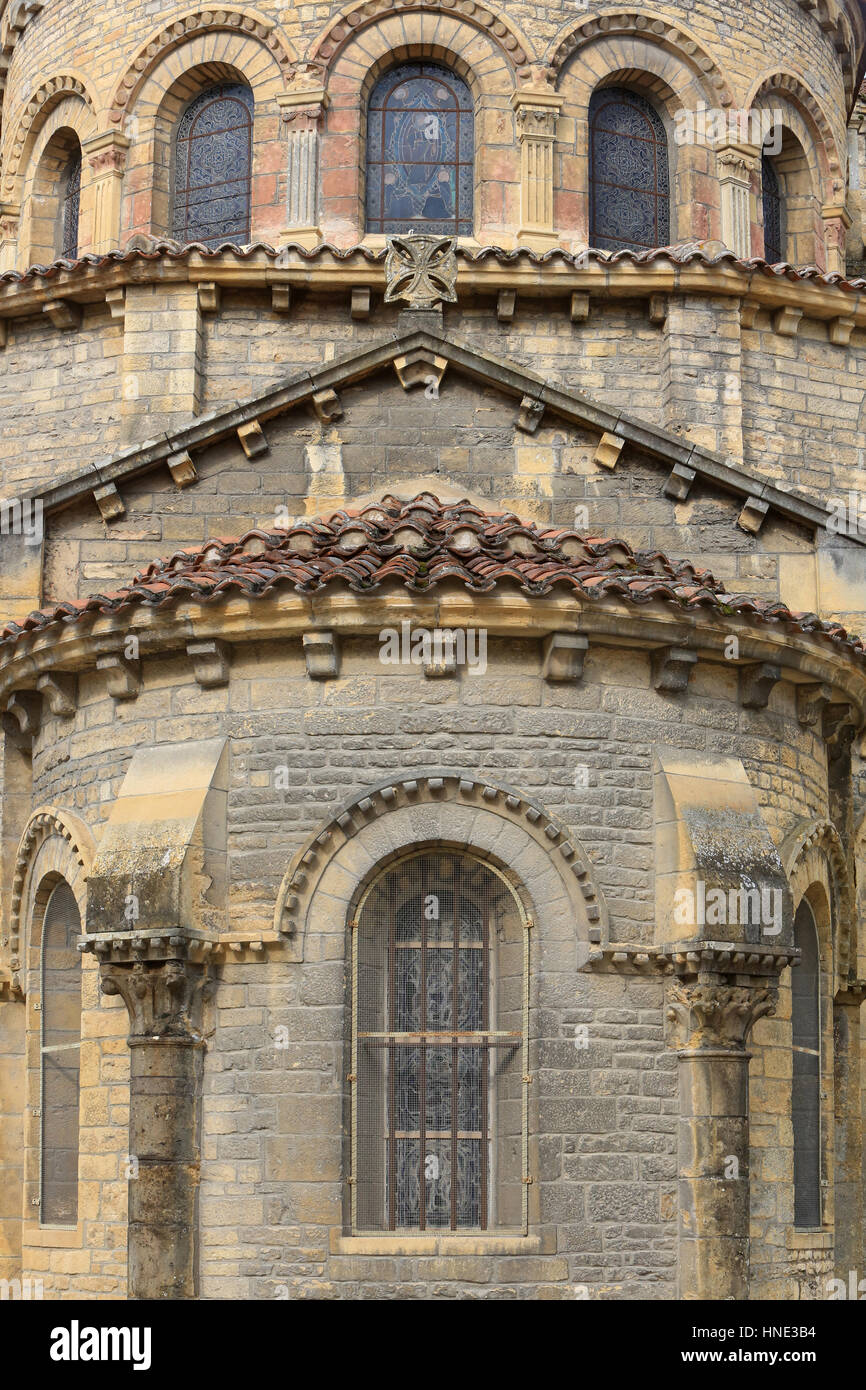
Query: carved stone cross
{"type": "Point", "coordinates": [421, 270]}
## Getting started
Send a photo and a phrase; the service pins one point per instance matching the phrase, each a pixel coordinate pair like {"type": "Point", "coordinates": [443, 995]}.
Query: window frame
{"type": "Point", "coordinates": [43, 1051]}
{"type": "Point", "coordinates": [438, 1235]}
{"type": "Point", "coordinates": [661, 141]}
{"type": "Point", "coordinates": [213, 91]}
{"type": "Point", "coordinates": [70, 183]}
{"type": "Point", "coordinates": [816, 1003]}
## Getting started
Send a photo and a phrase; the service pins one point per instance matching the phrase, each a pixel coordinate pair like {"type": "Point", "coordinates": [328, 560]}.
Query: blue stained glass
{"type": "Point", "coordinates": [629, 173]}
{"type": "Point", "coordinates": [420, 152]}
{"type": "Point", "coordinates": [71, 205]}
{"type": "Point", "coordinates": [213, 158]}
{"type": "Point", "coordinates": [774, 236]}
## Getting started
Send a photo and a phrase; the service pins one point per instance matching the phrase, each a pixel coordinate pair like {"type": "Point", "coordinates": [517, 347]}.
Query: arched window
{"type": "Point", "coordinates": [440, 1005]}
{"type": "Point", "coordinates": [60, 1058]}
{"type": "Point", "coordinates": [70, 201]}
{"type": "Point", "coordinates": [774, 213]}
{"type": "Point", "coordinates": [212, 165]}
{"type": "Point", "coordinates": [806, 1089]}
{"type": "Point", "coordinates": [420, 152]}
{"type": "Point", "coordinates": [629, 179]}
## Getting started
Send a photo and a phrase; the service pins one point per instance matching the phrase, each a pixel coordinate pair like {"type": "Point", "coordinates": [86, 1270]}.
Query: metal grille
{"type": "Point", "coordinates": [213, 157]}
{"type": "Point", "coordinates": [420, 158]}
{"type": "Point", "coordinates": [629, 179]}
{"type": "Point", "coordinates": [60, 1059]}
{"type": "Point", "coordinates": [439, 1020]}
{"type": "Point", "coordinates": [806, 1084]}
{"type": "Point", "coordinates": [773, 215]}
{"type": "Point", "coordinates": [71, 206]}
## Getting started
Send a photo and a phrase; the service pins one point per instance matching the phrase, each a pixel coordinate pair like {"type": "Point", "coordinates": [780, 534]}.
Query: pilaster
{"type": "Point", "coordinates": [302, 113]}
{"type": "Point", "coordinates": [736, 163]}
{"type": "Point", "coordinates": [105, 155]}
{"type": "Point", "coordinates": [536, 113]}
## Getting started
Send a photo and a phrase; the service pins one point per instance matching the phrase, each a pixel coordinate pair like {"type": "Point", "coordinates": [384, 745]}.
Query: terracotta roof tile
{"type": "Point", "coordinates": [711, 253]}
{"type": "Point", "coordinates": [422, 543]}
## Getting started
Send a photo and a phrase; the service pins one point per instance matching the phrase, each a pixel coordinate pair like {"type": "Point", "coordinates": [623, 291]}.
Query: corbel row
{"type": "Point", "coordinates": [786, 321]}
{"type": "Point", "coordinates": [579, 310]}
{"type": "Point", "coordinates": [210, 299]}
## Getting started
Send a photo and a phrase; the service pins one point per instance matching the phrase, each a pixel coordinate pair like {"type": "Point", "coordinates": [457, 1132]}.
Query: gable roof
{"type": "Point", "coordinates": [300, 388]}
{"type": "Point", "coordinates": [423, 543]}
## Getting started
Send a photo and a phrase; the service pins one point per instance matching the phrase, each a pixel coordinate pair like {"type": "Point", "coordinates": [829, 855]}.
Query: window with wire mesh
{"type": "Point", "coordinates": [629, 178]}
{"type": "Point", "coordinates": [212, 167]}
{"type": "Point", "coordinates": [439, 1107]}
{"type": "Point", "coordinates": [774, 213]}
{"type": "Point", "coordinates": [60, 1059]}
{"type": "Point", "coordinates": [420, 152]}
{"type": "Point", "coordinates": [806, 1083]}
{"type": "Point", "coordinates": [70, 206]}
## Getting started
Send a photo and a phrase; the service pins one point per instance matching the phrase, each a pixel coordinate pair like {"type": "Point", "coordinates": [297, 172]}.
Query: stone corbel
{"type": "Point", "coordinates": [182, 468]}
{"type": "Point", "coordinates": [536, 112]}
{"type": "Point", "coordinates": [752, 515]}
{"type": "Point", "coordinates": [58, 688]}
{"type": "Point", "coordinates": [838, 726]}
{"type": "Point", "coordinates": [109, 502]}
{"type": "Point", "coordinates": [63, 313]}
{"type": "Point", "coordinates": [756, 684]}
{"type": "Point", "coordinates": [736, 164]}
{"type": "Point", "coordinates": [610, 446]}
{"type": "Point", "coordinates": [811, 702]}
{"type": "Point", "coordinates": [106, 156]}
{"type": "Point", "coordinates": [122, 675]}
{"type": "Point", "coordinates": [672, 668]}
{"type": "Point", "coordinates": [22, 717]}
{"type": "Point", "coordinates": [328, 406]}
{"type": "Point", "coordinates": [322, 655]}
{"type": "Point", "coordinates": [563, 656]}
{"type": "Point", "coordinates": [210, 663]}
{"type": "Point", "coordinates": [302, 112]}
{"type": "Point", "coordinates": [420, 368]}
{"type": "Point", "coordinates": [530, 415]}
{"type": "Point", "coordinates": [679, 483]}
{"type": "Point", "coordinates": [252, 439]}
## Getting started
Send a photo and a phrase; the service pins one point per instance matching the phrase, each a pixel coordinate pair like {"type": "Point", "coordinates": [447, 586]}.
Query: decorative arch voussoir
{"type": "Point", "coordinates": [39, 107]}
{"type": "Point", "coordinates": [814, 853]}
{"type": "Point", "coordinates": [641, 24]}
{"type": "Point", "coordinates": [789, 87]}
{"type": "Point", "coordinates": [70, 849]}
{"type": "Point", "coordinates": [544, 839]}
{"type": "Point", "coordinates": [191, 25]}
{"type": "Point", "coordinates": [345, 26]}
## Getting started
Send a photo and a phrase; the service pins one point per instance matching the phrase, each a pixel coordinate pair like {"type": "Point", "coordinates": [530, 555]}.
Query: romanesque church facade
{"type": "Point", "coordinates": [431, 563]}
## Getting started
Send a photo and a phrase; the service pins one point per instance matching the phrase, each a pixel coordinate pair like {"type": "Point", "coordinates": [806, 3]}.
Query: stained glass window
{"type": "Point", "coordinates": [774, 235]}
{"type": "Point", "coordinates": [212, 162]}
{"type": "Point", "coordinates": [628, 173]}
{"type": "Point", "coordinates": [806, 1084]}
{"type": "Point", "coordinates": [420, 150]}
{"type": "Point", "coordinates": [60, 1057]}
{"type": "Point", "coordinates": [71, 184]}
{"type": "Point", "coordinates": [438, 1039]}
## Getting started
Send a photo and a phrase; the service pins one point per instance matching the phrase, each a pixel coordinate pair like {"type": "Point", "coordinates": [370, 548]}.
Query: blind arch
{"type": "Point", "coordinates": [806, 1084]}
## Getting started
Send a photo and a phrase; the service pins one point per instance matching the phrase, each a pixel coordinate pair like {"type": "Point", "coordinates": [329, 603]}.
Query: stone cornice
{"type": "Point", "coordinates": [744, 962]}
{"type": "Point", "coordinates": [559, 274]}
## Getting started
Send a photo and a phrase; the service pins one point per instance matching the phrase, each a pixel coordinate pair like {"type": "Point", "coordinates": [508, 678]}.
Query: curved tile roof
{"type": "Point", "coordinates": [420, 544]}
{"type": "Point", "coordinates": [709, 253]}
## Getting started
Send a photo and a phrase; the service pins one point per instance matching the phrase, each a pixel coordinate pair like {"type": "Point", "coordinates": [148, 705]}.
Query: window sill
{"type": "Point", "coordinates": [818, 1239]}
{"type": "Point", "coordinates": [508, 1243]}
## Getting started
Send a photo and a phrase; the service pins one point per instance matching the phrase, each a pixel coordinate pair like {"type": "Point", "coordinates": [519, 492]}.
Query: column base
{"type": "Point", "coordinates": [537, 240]}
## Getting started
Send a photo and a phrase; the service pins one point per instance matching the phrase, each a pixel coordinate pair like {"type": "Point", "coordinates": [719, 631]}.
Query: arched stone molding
{"type": "Point", "coordinates": [55, 845]}
{"type": "Point", "coordinates": [651, 28]}
{"type": "Point", "coordinates": [407, 35]}
{"type": "Point", "coordinates": [445, 808]}
{"type": "Point", "coordinates": [346, 26]}
{"type": "Point", "coordinates": [810, 170]}
{"type": "Point", "coordinates": [79, 112]}
{"type": "Point", "coordinates": [197, 24]}
{"type": "Point", "coordinates": [178, 72]}
{"type": "Point", "coordinates": [814, 860]}
{"type": "Point", "coordinates": [672, 82]}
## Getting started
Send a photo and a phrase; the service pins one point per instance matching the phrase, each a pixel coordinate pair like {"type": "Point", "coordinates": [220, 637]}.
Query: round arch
{"type": "Point", "coordinates": [552, 875]}
{"type": "Point", "coordinates": [67, 90]}
{"type": "Point", "coordinates": [814, 860]}
{"type": "Point", "coordinates": [55, 845]}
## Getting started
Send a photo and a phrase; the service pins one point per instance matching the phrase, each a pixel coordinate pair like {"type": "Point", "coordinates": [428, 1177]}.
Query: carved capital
{"type": "Point", "coordinates": [536, 113]}
{"type": "Point", "coordinates": [706, 1017]}
{"type": "Point", "coordinates": [163, 998]}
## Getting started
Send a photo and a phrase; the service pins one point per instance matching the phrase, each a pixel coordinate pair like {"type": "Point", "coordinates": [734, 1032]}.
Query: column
{"type": "Point", "coordinates": [164, 999]}
{"type": "Point", "coordinates": [848, 1171]}
{"type": "Point", "coordinates": [711, 1021]}
{"type": "Point", "coordinates": [837, 221]}
{"type": "Point", "coordinates": [10, 215]}
{"type": "Point", "coordinates": [302, 112]}
{"type": "Point", "coordinates": [536, 113]}
{"type": "Point", "coordinates": [106, 157]}
{"type": "Point", "coordinates": [736, 163]}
